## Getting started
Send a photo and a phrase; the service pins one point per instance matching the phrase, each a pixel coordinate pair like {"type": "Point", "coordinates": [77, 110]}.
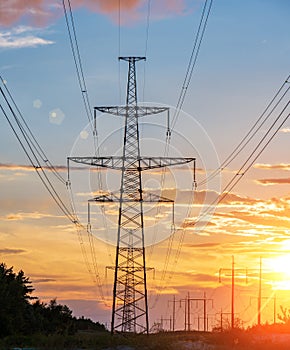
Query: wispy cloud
{"type": "Point", "coordinates": [200, 197]}
{"type": "Point", "coordinates": [17, 167]}
{"type": "Point", "coordinates": [7, 251]}
{"type": "Point", "coordinates": [59, 168]}
{"type": "Point", "coordinates": [278, 181]}
{"type": "Point", "coordinates": [44, 280]}
{"type": "Point", "coordinates": [204, 245]}
{"type": "Point", "coordinates": [21, 37]}
{"type": "Point", "coordinates": [285, 130]}
{"type": "Point", "coordinates": [24, 216]}
{"type": "Point", "coordinates": [281, 166]}
{"type": "Point", "coordinates": [40, 12]}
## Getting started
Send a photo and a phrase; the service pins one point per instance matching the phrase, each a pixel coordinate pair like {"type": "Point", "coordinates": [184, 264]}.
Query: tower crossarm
{"type": "Point", "coordinates": [131, 163]}
{"type": "Point", "coordinates": [139, 111]}
{"type": "Point", "coordinates": [146, 197]}
{"type": "Point", "coordinates": [125, 268]}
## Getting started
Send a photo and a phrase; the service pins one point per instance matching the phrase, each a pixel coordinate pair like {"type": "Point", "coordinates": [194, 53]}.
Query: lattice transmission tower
{"type": "Point", "coordinates": [130, 306]}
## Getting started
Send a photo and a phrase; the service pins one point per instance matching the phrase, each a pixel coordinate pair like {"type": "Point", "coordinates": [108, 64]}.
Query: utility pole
{"type": "Point", "coordinates": [188, 311]}
{"type": "Point", "coordinates": [221, 314]}
{"type": "Point", "coordinates": [162, 320]}
{"type": "Point", "coordinates": [209, 317]}
{"type": "Point", "coordinates": [185, 313]}
{"type": "Point", "coordinates": [130, 306]}
{"type": "Point", "coordinates": [233, 293]}
{"type": "Point", "coordinates": [260, 293]}
{"type": "Point", "coordinates": [232, 274]}
{"type": "Point", "coordinates": [260, 298]}
{"type": "Point", "coordinates": [275, 303]}
{"type": "Point", "coordinates": [174, 301]}
{"type": "Point", "coordinates": [187, 302]}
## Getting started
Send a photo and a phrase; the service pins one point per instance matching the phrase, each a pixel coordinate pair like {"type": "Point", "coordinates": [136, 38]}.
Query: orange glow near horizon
{"type": "Point", "coordinates": [279, 266]}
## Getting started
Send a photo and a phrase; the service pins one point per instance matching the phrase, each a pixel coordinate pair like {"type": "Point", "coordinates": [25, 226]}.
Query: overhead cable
{"type": "Point", "coordinates": [77, 58]}
{"type": "Point", "coordinates": [33, 158]}
{"type": "Point", "coordinates": [254, 155]}
{"type": "Point", "coordinates": [189, 72]}
{"type": "Point", "coordinates": [193, 58]}
{"type": "Point", "coordinates": [29, 149]}
{"type": "Point", "coordinates": [72, 33]}
{"type": "Point", "coordinates": [251, 133]}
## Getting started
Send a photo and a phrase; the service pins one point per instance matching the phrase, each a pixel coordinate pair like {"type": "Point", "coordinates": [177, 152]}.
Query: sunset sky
{"type": "Point", "coordinates": [243, 61]}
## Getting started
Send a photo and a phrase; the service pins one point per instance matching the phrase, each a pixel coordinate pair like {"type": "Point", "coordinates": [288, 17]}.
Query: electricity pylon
{"type": "Point", "coordinates": [130, 307]}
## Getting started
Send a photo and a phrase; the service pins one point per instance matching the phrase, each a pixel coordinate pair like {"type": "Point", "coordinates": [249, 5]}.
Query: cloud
{"type": "Point", "coordinates": [202, 277]}
{"type": "Point", "coordinates": [285, 130]}
{"type": "Point", "coordinates": [258, 218]}
{"type": "Point", "coordinates": [232, 198]}
{"type": "Point", "coordinates": [28, 41]}
{"type": "Point", "coordinates": [90, 308]}
{"type": "Point", "coordinates": [21, 37]}
{"type": "Point", "coordinates": [16, 167]}
{"type": "Point", "coordinates": [207, 197]}
{"type": "Point", "coordinates": [267, 182]}
{"type": "Point", "coordinates": [281, 166]}
{"type": "Point", "coordinates": [19, 167]}
{"type": "Point", "coordinates": [7, 251]}
{"type": "Point", "coordinates": [251, 220]}
{"type": "Point", "coordinates": [59, 168]}
{"type": "Point", "coordinates": [134, 10]}
{"type": "Point", "coordinates": [37, 12]}
{"type": "Point", "coordinates": [203, 196]}
{"type": "Point", "coordinates": [41, 12]}
{"type": "Point", "coordinates": [203, 245]}
{"type": "Point", "coordinates": [23, 216]}
{"type": "Point", "coordinates": [44, 280]}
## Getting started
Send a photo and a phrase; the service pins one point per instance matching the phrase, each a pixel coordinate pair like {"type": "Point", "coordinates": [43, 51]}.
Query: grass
{"type": "Point", "coordinates": [238, 340]}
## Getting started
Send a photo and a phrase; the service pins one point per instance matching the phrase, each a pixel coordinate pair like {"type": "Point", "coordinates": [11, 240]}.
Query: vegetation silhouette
{"type": "Point", "coordinates": [23, 314]}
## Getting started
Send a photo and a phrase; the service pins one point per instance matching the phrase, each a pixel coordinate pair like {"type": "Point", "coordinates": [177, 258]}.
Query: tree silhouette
{"type": "Point", "coordinates": [285, 316]}
{"type": "Point", "coordinates": [21, 314]}
{"type": "Point", "coordinates": [15, 290]}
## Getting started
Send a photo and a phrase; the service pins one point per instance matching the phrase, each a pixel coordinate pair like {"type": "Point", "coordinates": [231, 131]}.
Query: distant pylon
{"type": "Point", "coordinates": [130, 306]}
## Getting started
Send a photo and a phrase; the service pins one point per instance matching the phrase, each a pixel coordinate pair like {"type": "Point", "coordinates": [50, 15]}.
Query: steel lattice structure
{"type": "Point", "coordinates": [130, 307]}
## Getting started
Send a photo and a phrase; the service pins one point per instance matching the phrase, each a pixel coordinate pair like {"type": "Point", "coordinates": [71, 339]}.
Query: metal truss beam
{"type": "Point", "coordinates": [147, 197]}
{"type": "Point", "coordinates": [132, 163]}
{"type": "Point", "coordinates": [139, 111]}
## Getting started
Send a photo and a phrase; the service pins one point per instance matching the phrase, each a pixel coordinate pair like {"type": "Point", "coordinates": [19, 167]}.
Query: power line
{"type": "Point", "coordinates": [250, 134]}
{"type": "Point", "coordinates": [257, 156]}
{"type": "Point", "coordinates": [119, 50]}
{"type": "Point", "coordinates": [189, 72]}
{"type": "Point", "coordinates": [146, 44]}
{"type": "Point", "coordinates": [77, 58]}
{"type": "Point", "coordinates": [33, 159]}
{"type": "Point", "coordinates": [193, 58]}
{"type": "Point", "coordinates": [248, 163]}
{"type": "Point", "coordinates": [71, 27]}
{"type": "Point", "coordinates": [29, 134]}
{"type": "Point", "coordinates": [30, 151]}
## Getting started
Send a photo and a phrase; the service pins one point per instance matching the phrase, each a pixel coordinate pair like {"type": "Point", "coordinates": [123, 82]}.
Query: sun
{"type": "Point", "coordinates": [279, 268]}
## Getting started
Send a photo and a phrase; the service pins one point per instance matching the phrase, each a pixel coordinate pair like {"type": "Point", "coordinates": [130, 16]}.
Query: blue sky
{"type": "Point", "coordinates": [245, 52]}
{"type": "Point", "coordinates": [244, 59]}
